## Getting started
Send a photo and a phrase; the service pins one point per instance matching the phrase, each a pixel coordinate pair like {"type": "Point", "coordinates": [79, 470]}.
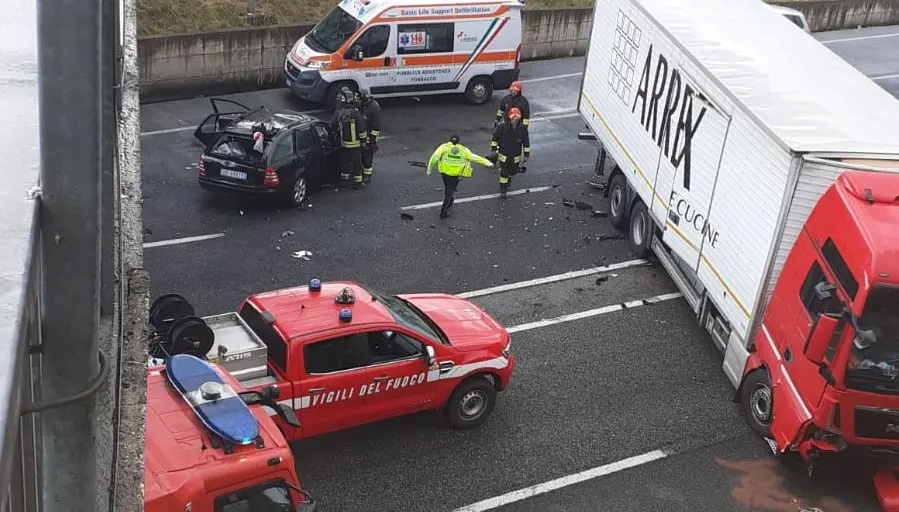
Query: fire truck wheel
{"type": "Point", "coordinates": [640, 232]}
{"type": "Point", "coordinates": [471, 403]}
{"type": "Point", "coordinates": [757, 401]}
{"type": "Point", "coordinates": [617, 205]}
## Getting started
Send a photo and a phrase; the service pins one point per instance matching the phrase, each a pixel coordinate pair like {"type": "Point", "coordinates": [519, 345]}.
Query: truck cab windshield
{"type": "Point", "coordinates": [332, 31]}
{"type": "Point", "coordinates": [409, 316]}
{"type": "Point", "coordinates": [273, 496]}
{"type": "Point", "coordinates": [880, 360]}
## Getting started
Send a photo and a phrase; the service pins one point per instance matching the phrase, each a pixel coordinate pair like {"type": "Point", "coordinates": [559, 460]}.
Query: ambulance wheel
{"type": "Point", "coordinates": [471, 403]}
{"type": "Point", "coordinates": [617, 202]}
{"type": "Point", "coordinates": [757, 401]}
{"type": "Point", "coordinates": [479, 90]}
{"type": "Point", "coordinates": [640, 232]}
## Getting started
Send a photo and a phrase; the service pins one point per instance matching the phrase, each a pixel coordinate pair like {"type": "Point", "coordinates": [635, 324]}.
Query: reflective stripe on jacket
{"type": "Point", "coordinates": [455, 160]}
{"type": "Point", "coordinates": [511, 141]}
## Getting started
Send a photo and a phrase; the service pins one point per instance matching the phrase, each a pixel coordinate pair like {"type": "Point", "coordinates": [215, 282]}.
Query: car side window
{"type": "Point", "coordinates": [386, 346]}
{"type": "Point", "coordinates": [283, 148]}
{"type": "Point", "coordinates": [425, 38]}
{"type": "Point", "coordinates": [807, 292]}
{"type": "Point", "coordinates": [305, 139]}
{"type": "Point", "coordinates": [324, 136]}
{"type": "Point", "coordinates": [337, 354]}
{"type": "Point", "coordinates": [374, 41]}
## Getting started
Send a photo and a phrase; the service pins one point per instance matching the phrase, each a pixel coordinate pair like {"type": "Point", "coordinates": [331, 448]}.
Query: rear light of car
{"type": "Point", "coordinates": [271, 178]}
{"type": "Point", "coordinates": [202, 166]}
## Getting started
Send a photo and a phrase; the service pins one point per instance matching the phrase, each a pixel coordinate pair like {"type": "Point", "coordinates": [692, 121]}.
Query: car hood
{"type": "Point", "coordinates": [467, 326]}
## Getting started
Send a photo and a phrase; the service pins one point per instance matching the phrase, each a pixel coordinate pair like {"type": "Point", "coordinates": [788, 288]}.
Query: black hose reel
{"type": "Point", "coordinates": [177, 330]}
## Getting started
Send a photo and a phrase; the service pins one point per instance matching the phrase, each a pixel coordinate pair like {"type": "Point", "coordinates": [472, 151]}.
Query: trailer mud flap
{"type": "Point", "coordinates": [886, 484]}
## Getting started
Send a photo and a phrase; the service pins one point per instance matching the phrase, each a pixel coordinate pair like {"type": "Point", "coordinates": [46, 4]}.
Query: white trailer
{"type": "Point", "coordinates": [726, 124]}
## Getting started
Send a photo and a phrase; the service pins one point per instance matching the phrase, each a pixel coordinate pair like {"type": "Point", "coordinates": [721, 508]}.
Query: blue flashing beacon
{"type": "Point", "coordinates": [346, 315]}
{"type": "Point", "coordinates": [315, 285]}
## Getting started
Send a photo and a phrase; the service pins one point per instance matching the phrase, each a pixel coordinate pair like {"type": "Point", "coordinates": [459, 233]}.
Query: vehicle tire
{"type": "Point", "coordinates": [640, 230]}
{"type": "Point", "coordinates": [331, 96]}
{"type": "Point", "coordinates": [299, 191]}
{"type": "Point", "coordinates": [757, 401]}
{"type": "Point", "coordinates": [479, 90]}
{"type": "Point", "coordinates": [471, 403]}
{"type": "Point", "coordinates": [617, 202]}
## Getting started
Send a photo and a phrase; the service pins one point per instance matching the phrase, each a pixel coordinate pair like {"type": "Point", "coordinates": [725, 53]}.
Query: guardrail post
{"type": "Point", "coordinates": [70, 114]}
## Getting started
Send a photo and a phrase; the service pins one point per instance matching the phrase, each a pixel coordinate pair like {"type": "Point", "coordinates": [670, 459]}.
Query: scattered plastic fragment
{"type": "Point", "coordinates": [406, 216]}
{"type": "Point", "coordinates": [616, 236]}
{"type": "Point", "coordinates": [287, 233]}
{"type": "Point", "coordinates": [602, 279]}
{"type": "Point", "coordinates": [598, 213]}
{"type": "Point", "coordinates": [302, 255]}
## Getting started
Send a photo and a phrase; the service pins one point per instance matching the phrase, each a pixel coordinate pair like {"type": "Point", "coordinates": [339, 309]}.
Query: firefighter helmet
{"type": "Point", "coordinates": [514, 113]}
{"type": "Point", "coordinates": [365, 96]}
{"type": "Point", "coordinates": [515, 86]}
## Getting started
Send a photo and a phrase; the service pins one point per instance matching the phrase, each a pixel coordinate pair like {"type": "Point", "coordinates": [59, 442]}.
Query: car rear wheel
{"type": "Point", "coordinates": [299, 191]}
{"type": "Point", "coordinates": [471, 403]}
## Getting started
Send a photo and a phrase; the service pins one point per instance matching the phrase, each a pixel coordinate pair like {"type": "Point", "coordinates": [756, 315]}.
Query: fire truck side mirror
{"type": "Point", "coordinates": [430, 356]}
{"type": "Point", "coordinates": [819, 338]}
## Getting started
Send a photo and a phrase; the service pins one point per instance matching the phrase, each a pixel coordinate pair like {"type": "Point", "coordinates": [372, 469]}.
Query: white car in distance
{"type": "Point", "coordinates": [793, 15]}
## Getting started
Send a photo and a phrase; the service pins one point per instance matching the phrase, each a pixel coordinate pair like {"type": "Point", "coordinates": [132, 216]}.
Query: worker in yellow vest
{"type": "Point", "coordinates": [453, 160]}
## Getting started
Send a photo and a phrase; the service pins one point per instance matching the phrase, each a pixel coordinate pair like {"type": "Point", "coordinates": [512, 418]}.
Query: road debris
{"type": "Point", "coordinates": [416, 163]}
{"type": "Point", "coordinates": [287, 233]}
{"type": "Point", "coordinates": [302, 255]}
{"type": "Point", "coordinates": [598, 213]}
{"type": "Point", "coordinates": [614, 236]}
{"type": "Point", "coordinates": [407, 216]}
{"type": "Point", "coordinates": [600, 280]}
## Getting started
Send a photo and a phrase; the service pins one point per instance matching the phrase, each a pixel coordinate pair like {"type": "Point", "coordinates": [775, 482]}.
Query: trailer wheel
{"type": "Point", "coordinates": [757, 401]}
{"type": "Point", "coordinates": [617, 202]}
{"type": "Point", "coordinates": [640, 232]}
{"type": "Point", "coordinates": [471, 403]}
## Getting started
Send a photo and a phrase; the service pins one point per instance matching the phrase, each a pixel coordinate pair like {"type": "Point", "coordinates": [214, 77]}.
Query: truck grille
{"type": "Point", "coordinates": [291, 70]}
{"type": "Point", "coordinates": [876, 423]}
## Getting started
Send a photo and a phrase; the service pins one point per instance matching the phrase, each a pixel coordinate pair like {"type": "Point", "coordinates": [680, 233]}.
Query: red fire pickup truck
{"type": "Point", "coordinates": [343, 355]}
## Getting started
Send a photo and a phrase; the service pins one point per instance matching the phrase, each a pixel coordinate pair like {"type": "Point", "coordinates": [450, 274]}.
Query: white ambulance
{"type": "Point", "coordinates": [409, 48]}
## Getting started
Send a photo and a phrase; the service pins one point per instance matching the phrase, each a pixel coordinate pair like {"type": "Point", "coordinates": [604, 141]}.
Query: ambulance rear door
{"type": "Point", "coordinates": [487, 39]}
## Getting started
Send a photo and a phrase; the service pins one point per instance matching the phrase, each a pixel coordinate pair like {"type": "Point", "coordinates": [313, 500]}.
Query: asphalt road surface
{"type": "Point", "coordinates": [619, 408]}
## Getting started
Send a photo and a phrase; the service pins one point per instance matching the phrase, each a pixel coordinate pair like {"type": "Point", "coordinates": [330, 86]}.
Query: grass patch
{"type": "Point", "coordinates": [166, 17]}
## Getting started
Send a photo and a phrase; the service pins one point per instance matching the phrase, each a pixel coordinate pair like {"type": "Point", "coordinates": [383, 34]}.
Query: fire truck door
{"type": "Point", "coordinates": [398, 376]}
{"type": "Point", "coordinates": [331, 391]}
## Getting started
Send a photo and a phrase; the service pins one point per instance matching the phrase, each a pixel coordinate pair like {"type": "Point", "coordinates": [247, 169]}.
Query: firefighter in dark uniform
{"type": "Point", "coordinates": [511, 148]}
{"type": "Point", "coordinates": [350, 129]}
{"type": "Point", "coordinates": [514, 100]}
{"type": "Point", "coordinates": [371, 114]}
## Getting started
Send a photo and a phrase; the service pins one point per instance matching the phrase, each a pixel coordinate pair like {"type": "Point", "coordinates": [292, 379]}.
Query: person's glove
{"type": "Point", "coordinates": [428, 172]}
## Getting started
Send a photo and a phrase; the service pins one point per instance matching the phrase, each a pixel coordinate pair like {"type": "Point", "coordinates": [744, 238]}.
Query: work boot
{"type": "Point", "coordinates": [444, 214]}
{"type": "Point", "coordinates": [359, 185]}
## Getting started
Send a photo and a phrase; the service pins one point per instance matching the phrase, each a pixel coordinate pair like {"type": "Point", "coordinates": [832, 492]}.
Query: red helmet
{"type": "Point", "coordinates": [515, 86]}
{"type": "Point", "coordinates": [514, 113]}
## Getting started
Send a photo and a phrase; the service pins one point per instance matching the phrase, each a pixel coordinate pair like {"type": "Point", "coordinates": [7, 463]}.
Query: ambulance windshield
{"type": "Point", "coordinates": [332, 31]}
{"type": "Point", "coordinates": [878, 360]}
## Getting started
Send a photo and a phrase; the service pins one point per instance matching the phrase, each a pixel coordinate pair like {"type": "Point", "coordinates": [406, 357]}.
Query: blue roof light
{"type": "Point", "coordinates": [315, 285]}
{"type": "Point", "coordinates": [346, 315]}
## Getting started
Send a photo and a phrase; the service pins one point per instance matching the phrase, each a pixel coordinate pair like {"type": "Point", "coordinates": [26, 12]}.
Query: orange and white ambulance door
{"type": "Point", "coordinates": [369, 58]}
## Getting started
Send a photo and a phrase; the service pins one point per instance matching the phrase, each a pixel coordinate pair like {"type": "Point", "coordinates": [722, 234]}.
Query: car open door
{"type": "Point", "coordinates": [223, 115]}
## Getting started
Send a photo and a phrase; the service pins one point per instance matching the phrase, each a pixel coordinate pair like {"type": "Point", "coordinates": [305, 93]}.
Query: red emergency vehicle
{"type": "Point", "coordinates": [342, 354]}
{"type": "Point", "coordinates": [189, 469]}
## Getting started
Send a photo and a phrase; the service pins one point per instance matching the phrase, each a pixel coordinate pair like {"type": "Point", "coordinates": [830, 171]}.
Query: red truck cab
{"type": "Point", "coordinates": [342, 354]}
{"type": "Point", "coordinates": [823, 377]}
{"type": "Point", "coordinates": [187, 470]}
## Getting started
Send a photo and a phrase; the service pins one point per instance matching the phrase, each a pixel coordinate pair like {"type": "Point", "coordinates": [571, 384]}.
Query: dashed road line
{"type": "Point", "coordinates": [475, 198]}
{"type": "Point", "coordinates": [186, 240]}
{"type": "Point", "coordinates": [565, 481]}
{"type": "Point", "coordinates": [594, 312]}
{"type": "Point", "coordinates": [554, 77]}
{"type": "Point", "coordinates": [885, 77]}
{"type": "Point", "coordinates": [574, 274]}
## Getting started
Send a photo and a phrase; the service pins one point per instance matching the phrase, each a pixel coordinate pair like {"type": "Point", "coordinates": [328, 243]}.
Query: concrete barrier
{"type": "Point", "coordinates": [237, 60]}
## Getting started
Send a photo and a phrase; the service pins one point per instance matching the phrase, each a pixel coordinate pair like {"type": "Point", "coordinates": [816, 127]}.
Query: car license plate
{"type": "Point", "coordinates": [228, 173]}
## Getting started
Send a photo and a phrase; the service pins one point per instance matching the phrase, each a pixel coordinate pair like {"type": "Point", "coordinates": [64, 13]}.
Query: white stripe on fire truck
{"type": "Point", "coordinates": [457, 372]}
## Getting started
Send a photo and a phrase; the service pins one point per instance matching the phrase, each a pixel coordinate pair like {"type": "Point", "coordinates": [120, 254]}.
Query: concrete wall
{"type": "Point", "coordinates": [225, 61]}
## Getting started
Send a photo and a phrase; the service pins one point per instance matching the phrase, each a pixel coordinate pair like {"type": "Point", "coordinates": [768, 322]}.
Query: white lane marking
{"type": "Point", "coordinates": [885, 77]}
{"type": "Point", "coordinates": [474, 198]}
{"type": "Point", "coordinates": [859, 38]}
{"type": "Point", "coordinates": [554, 77]}
{"type": "Point", "coordinates": [565, 481]}
{"type": "Point", "coordinates": [574, 274]}
{"type": "Point", "coordinates": [593, 312]}
{"type": "Point", "coordinates": [186, 240]}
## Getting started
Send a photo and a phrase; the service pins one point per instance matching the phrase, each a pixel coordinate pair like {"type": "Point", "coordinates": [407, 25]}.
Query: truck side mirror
{"type": "Point", "coordinates": [830, 303]}
{"type": "Point", "coordinates": [819, 338]}
{"type": "Point", "coordinates": [355, 53]}
{"type": "Point", "coordinates": [430, 356]}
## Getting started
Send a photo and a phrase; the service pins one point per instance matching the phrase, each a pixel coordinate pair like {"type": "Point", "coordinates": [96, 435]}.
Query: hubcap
{"type": "Point", "coordinates": [472, 404]}
{"type": "Point", "coordinates": [760, 403]}
{"type": "Point", "coordinates": [479, 90]}
{"type": "Point", "coordinates": [637, 229]}
{"type": "Point", "coordinates": [299, 191]}
{"type": "Point", "coordinates": [615, 202]}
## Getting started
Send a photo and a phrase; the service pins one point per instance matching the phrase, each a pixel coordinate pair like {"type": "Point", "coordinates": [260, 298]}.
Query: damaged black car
{"type": "Point", "coordinates": [277, 154]}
